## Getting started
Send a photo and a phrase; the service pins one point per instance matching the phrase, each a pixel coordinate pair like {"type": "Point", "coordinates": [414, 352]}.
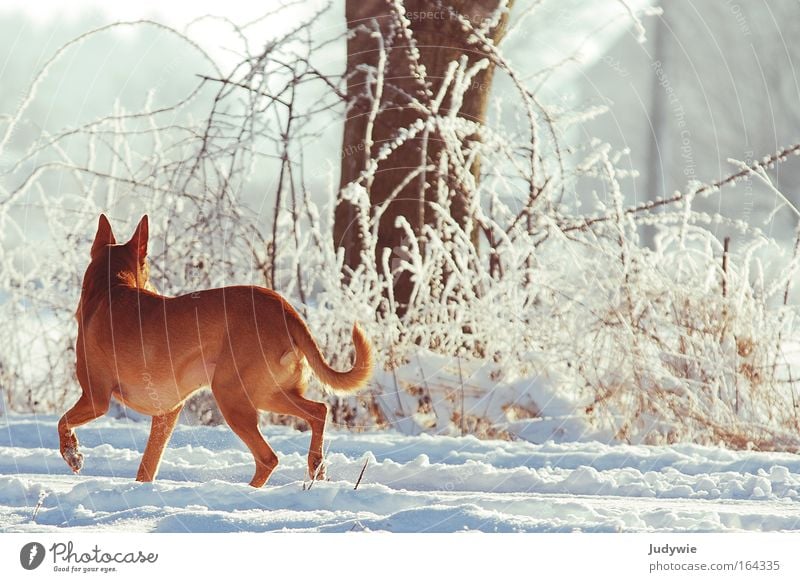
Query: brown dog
{"type": "Point", "coordinates": [151, 352]}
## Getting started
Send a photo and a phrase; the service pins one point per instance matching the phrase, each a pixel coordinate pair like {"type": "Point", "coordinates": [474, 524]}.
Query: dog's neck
{"type": "Point", "coordinates": [100, 280]}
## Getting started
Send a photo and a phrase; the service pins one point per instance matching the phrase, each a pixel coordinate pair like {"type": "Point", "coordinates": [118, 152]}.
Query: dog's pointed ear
{"type": "Point", "coordinates": [104, 236]}
{"type": "Point", "coordinates": [139, 239]}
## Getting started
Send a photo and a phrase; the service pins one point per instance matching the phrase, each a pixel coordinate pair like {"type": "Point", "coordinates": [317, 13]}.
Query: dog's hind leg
{"type": "Point", "coordinates": [161, 428]}
{"type": "Point", "coordinates": [242, 416]}
{"type": "Point", "coordinates": [86, 409]}
{"type": "Point", "coordinates": [244, 422]}
{"type": "Point", "coordinates": [314, 413]}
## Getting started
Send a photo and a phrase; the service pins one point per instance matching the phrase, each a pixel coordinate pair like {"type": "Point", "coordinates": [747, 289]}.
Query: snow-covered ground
{"type": "Point", "coordinates": [418, 484]}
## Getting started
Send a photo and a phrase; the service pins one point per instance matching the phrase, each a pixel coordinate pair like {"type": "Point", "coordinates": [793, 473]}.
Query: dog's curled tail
{"type": "Point", "coordinates": [349, 381]}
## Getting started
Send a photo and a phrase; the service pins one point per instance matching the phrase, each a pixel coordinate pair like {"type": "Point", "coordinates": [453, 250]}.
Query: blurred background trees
{"type": "Point", "coordinates": [524, 204]}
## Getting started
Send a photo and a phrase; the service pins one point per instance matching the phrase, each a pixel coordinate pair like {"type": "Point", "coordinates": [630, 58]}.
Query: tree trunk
{"type": "Point", "coordinates": [440, 39]}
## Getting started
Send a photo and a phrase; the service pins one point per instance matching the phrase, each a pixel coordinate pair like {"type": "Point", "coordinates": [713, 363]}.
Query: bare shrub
{"type": "Point", "coordinates": [553, 305]}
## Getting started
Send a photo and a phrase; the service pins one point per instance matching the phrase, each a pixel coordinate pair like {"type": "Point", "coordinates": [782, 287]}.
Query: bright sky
{"type": "Point", "coordinates": [569, 24]}
{"type": "Point", "coordinates": [172, 11]}
{"type": "Point", "coordinates": [212, 35]}
{"type": "Point", "coordinates": [581, 17]}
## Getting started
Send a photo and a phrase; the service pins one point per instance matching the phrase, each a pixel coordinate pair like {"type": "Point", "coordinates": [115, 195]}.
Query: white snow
{"type": "Point", "coordinates": [420, 484]}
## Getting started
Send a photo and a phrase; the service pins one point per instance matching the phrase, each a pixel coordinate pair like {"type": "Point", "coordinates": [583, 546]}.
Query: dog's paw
{"type": "Point", "coordinates": [317, 473]}
{"type": "Point", "coordinates": [74, 459]}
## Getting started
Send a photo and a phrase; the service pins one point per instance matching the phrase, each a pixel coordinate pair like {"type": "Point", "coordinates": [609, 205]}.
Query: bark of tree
{"type": "Point", "coordinates": [440, 40]}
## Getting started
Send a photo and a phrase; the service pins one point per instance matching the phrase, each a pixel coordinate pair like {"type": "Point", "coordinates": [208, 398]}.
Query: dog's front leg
{"type": "Point", "coordinates": [161, 429]}
{"type": "Point", "coordinates": [86, 409]}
